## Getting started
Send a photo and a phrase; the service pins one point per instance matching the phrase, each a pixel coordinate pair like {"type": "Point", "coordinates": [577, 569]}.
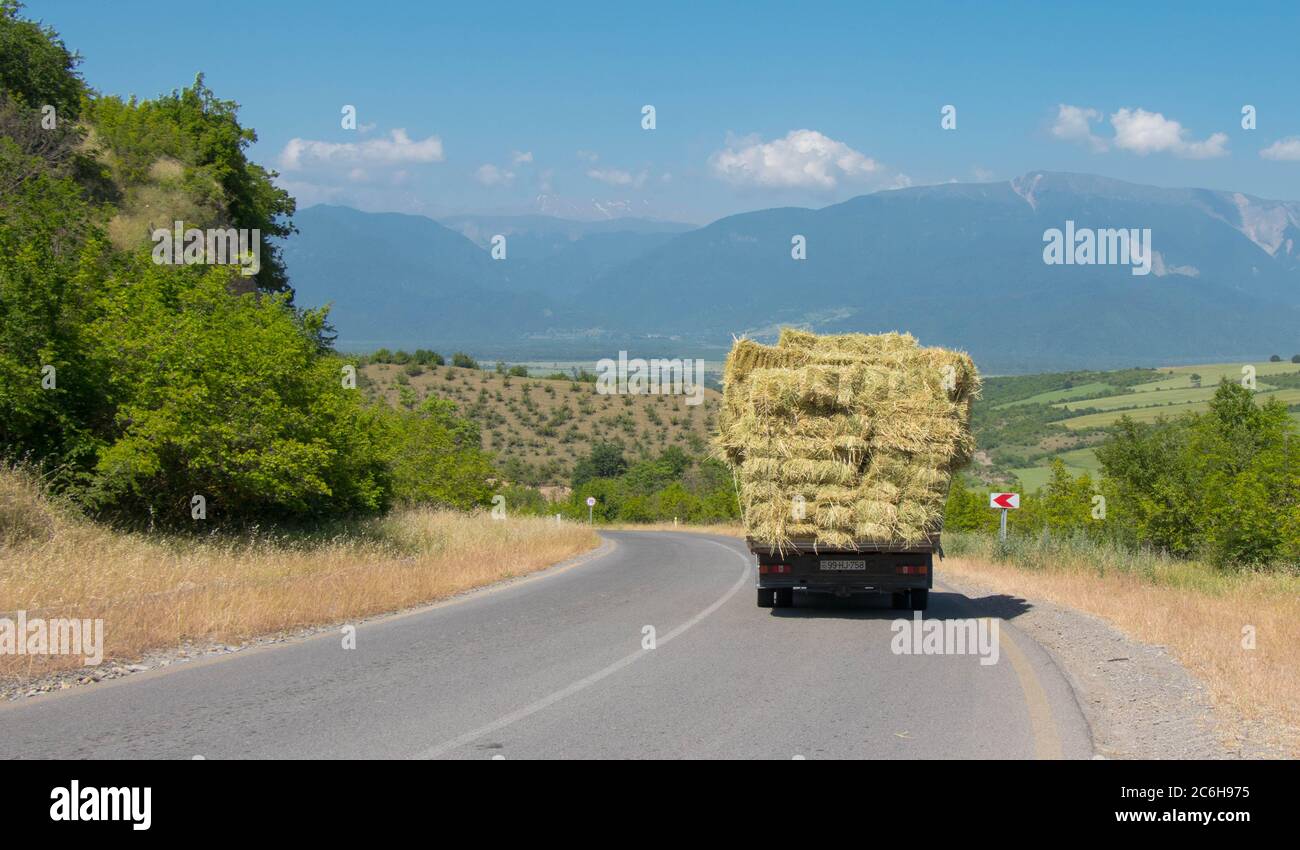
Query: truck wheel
{"type": "Point", "coordinates": [898, 600]}
{"type": "Point", "coordinates": [785, 597]}
{"type": "Point", "coordinates": [920, 599]}
{"type": "Point", "coordinates": [766, 598]}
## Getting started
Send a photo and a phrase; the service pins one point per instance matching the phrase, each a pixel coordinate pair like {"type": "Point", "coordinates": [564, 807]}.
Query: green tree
{"type": "Point", "coordinates": [203, 132]}
{"type": "Point", "coordinates": [604, 461]}
{"type": "Point", "coordinates": [438, 458]}
{"type": "Point", "coordinates": [36, 68]}
{"type": "Point", "coordinates": [1222, 484]}
{"type": "Point", "coordinates": [51, 261]}
{"type": "Point", "coordinates": [229, 397]}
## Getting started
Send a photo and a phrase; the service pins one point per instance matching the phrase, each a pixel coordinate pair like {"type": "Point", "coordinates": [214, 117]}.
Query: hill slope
{"type": "Point", "coordinates": [539, 428]}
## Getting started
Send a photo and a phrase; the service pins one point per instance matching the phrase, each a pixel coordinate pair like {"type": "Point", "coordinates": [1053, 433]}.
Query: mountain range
{"type": "Point", "coordinates": [960, 265]}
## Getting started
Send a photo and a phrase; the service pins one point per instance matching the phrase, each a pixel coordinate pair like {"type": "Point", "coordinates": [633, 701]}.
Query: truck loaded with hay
{"type": "Point", "coordinates": [843, 449]}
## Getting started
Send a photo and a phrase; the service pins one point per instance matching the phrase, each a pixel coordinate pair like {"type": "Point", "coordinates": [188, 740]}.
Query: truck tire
{"type": "Point", "coordinates": [766, 598]}
{"type": "Point", "coordinates": [898, 600]}
{"type": "Point", "coordinates": [785, 597]}
{"type": "Point", "coordinates": [920, 599]}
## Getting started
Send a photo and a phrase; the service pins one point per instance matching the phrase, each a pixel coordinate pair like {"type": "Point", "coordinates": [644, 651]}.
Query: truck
{"type": "Point", "coordinates": [905, 572]}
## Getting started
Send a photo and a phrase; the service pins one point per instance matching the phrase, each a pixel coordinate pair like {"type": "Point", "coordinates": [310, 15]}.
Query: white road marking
{"type": "Point", "coordinates": [584, 683]}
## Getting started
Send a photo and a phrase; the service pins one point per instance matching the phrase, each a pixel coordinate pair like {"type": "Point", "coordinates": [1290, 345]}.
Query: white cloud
{"type": "Point", "coordinates": [803, 159]}
{"type": "Point", "coordinates": [398, 149]}
{"type": "Point", "coordinates": [1074, 124]}
{"type": "Point", "coordinates": [1283, 150]}
{"type": "Point", "coordinates": [520, 157]}
{"type": "Point", "coordinates": [489, 175]}
{"type": "Point", "coordinates": [1143, 132]}
{"type": "Point", "coordinates": [617, 177]}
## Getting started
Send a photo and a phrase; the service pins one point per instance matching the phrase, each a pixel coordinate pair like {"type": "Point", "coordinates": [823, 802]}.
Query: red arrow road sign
{"type": "Point", "coordinates": [1004, 500]}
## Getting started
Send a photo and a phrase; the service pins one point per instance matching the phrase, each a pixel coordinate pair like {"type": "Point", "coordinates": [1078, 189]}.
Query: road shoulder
{"type": "Point", "coordinates": [1140, 703]}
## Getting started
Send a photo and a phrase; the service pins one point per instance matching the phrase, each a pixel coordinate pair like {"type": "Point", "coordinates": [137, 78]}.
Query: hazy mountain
{"type": "Point", "coordinates": [956, 264]}
{"type": "Point", "coordinates": [404, 280]}
{"type": "Point", "coordinates": [962, 264]}
{"type": "Point", "coordinates": [562, 256]}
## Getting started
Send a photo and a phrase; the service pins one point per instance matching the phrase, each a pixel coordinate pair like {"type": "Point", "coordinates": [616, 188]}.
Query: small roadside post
{"type": "Point", "coordinates": [1006, 502]}
{"type": "Point", "coordinates": [591, 503]}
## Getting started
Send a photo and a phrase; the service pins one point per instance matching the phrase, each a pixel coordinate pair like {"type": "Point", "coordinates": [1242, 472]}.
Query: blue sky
{"type": "Point", "coordinates": [514, 108]}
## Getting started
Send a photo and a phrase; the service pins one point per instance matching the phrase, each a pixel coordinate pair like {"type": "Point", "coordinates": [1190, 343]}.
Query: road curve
{"type": "Point", "coordinates": [554, 667]}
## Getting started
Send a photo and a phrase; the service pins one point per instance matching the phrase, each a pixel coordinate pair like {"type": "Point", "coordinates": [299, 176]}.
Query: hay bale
{"type": "Point", "coordinates": [867, 429]}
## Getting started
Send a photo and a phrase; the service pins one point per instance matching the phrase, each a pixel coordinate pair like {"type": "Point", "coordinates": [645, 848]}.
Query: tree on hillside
{"type": "Point", "coordinates": [604, 461]}
{"type": "Point", "coordinates": [202, 132]}
{"type": "Point", "coordinates": [36, 69]}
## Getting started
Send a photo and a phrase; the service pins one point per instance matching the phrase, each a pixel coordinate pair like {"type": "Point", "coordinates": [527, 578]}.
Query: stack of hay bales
{"type": "Point", "coordinates": [867, 429]}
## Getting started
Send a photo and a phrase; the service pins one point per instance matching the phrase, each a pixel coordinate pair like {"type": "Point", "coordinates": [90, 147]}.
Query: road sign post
{"type": "Point", "coordinates": [1005, 502]}
{"type": "Point", "coordinates": [591, 503]}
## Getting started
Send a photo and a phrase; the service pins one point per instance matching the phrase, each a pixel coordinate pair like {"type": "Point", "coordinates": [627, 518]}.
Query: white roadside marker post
{"type": "Point", "coordinates": [1004, 502]}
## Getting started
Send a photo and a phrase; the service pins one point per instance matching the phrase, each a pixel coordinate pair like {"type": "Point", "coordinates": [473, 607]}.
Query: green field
{"type": "Point", "coordinates": [1089, 389]}
{"type": "Point", "coordinates": [1162, 407]}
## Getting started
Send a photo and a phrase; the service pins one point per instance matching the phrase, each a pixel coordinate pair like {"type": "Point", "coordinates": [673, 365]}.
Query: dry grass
{"type": "Point", "coordinates": [154, 592]}
{"type": "Point", "coordinates": [1198, 612]}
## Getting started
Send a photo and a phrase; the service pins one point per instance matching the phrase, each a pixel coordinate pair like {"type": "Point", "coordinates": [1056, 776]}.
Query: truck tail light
{"type": "Point", "coordinates": [918, 570]}
{"type": "Point", "coordinates": [765, 569]}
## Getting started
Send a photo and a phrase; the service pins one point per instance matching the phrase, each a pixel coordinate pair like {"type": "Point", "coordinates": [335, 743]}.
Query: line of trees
{"type": "Point", "coordinates": [660, 488]}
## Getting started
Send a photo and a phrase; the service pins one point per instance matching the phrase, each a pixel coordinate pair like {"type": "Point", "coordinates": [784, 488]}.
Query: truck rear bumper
{"type": "Point", "coordinates": [845, 586]}
{"type": "Point", "coordinates": [858, 572]}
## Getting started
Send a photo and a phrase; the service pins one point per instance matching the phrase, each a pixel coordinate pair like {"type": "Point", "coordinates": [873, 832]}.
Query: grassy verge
{"type": "Point", "coordinates": [1202, 614]}
{"type": "Point", "coordinates": [155, 591]}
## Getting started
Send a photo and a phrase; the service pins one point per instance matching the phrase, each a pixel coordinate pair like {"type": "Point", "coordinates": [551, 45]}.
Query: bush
{"type": "Point", "coordinates": [463, 360]}
{"type": "Point", "coordinates": [228, 397]}
{"type": "Point", "coordinates": [437, 458]}
{"type": "Point", "coordinates": [605, 460]}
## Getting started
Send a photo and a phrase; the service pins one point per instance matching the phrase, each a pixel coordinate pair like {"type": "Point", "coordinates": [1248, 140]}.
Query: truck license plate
{"type": "Point", "coordinates": [844, 565]}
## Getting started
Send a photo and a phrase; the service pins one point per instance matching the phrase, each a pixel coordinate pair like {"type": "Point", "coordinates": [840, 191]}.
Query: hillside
{"type": "Point", "coordinates": [1024, 422]}
{"type": "Point", "coordinates": [538, 428]}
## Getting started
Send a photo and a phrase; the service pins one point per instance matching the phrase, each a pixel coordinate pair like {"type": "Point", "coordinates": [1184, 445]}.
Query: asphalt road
{"type": "Point", "coordinates": [554, 667]}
